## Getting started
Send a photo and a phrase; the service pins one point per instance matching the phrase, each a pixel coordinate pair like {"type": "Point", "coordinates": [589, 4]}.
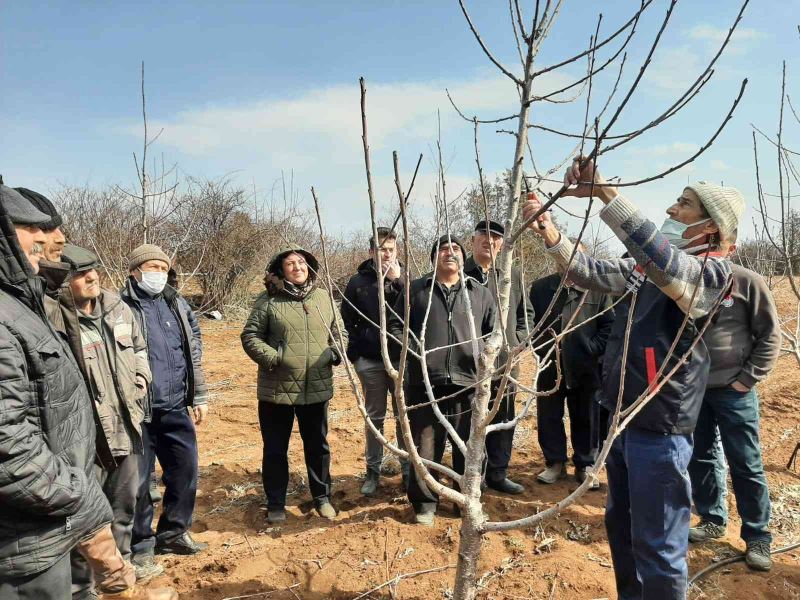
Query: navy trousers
{"type": "Point", "coordinates": [647, 514]}
{"type": "Point", "coordinates": [736, 416]}
{"type": "Point", "coordinates": [171, 437]}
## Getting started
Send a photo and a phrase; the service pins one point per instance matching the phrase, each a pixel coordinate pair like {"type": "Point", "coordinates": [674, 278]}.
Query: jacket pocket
{"type": "Point", "coordinates": [124, 342]}
{"type": "Point", "coordinates": [95, 378]}
{"type": "Point", "coordinates": [49, 371]}
{"type": "Point", "coordinates": [281, 349]}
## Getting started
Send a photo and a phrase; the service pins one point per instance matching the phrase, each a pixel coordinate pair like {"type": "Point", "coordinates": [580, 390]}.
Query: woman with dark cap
{"type": "Point", "coordinates": [288, 334]}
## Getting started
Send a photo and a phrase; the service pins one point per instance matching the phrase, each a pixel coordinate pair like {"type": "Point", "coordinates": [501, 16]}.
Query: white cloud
{"type": "Point", "coordinates": [675, 69]}
{"type": "Point", "coordinates": [332, 115]}
{"type": "Point", "coordinates": [719, 165]}
{"type": "Point", "coordinates": [741, 40]}
{"type": "Point", "coordinates": [673, 149]}
{"type": "Point", "coordinates": [317, 134]}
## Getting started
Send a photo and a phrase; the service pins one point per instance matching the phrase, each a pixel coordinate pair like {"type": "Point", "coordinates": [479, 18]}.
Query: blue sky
{"type": "Point", "coordinates": [253, 88]}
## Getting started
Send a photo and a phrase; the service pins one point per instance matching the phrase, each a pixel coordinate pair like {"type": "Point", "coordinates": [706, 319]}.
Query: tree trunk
{"type": "Point", "coordinates": [469, 550]}
{"type": "Point", "coordinates": [472, 518]}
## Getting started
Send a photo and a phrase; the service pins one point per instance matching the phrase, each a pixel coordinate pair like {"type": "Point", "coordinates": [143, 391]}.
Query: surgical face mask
{"type": "Point", "coordinates": [673, 231]}
{"type": "Point", "coordinates": [153, 282]}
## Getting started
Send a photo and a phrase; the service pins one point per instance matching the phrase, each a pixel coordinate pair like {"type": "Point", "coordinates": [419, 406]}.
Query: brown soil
{"type": "Point", "coordinates": [372, 540]}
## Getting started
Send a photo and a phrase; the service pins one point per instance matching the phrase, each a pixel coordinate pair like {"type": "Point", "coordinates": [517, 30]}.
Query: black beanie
{"type": "Point", "coordinates": [44, 205]}
{"type": "Point", "coordinates": [447, 240]}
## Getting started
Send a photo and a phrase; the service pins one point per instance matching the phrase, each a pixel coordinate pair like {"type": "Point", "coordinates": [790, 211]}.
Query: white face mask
{"type": "Point", "coordinates": [673, 231]}
{"type": "Point", "coordinates": [153, 282]}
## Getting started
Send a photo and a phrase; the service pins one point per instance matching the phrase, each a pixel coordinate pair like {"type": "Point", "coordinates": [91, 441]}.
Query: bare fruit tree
{"type": "Point", "coordinates": [605, 58]}
{"type": "Point", "coordinates": [778, 252]}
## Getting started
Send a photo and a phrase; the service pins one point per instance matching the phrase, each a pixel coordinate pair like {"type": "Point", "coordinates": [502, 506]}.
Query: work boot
{"type": "Point", "coordinates": [276, 515]}
{"type": "Point", "coordinates": [155, 493]}
{"type": "Point", "coordinates": [580, 476]}
{"type": "Point", "coordinates": [505, 486]}
{"type": "Point", "coordinates": [145, 566]}
{"type": "Point", "coordinates": [706, 530]}
{"type": "Point", "coordinates": [370, 483]}
{"type": "Point", "coordinates": [110, 571]}
{"type": "Point", "coordinates": [326, 510]}
{"type": "Point", "coordinates": [182, 544]}
{"type": "Point", "coordinates": [139, 593]}
{"type": "Point", "coordinates": [552, 473]}
{"type": "Point", "coordinates": [758, 555]}
{"type": "Point", "coordinates": [425, 518]}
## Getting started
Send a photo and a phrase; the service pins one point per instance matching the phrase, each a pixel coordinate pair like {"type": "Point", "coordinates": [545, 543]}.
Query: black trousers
{"type": "Point", "coordinates": [171, 437]}
{"type": "Point", "coordinates": [600, 418]}
{"type": "Point", "coordinates": [499, 443]}
{"type": "Point", "coordinates": [120, 485]}
{"type": "Point", "coordinates": [276, 421]}
{"type": "Point", "coordinates": [430, 436]}
{"type": "Point", "coordinates": [51, 584]}
{"type": "Point", "coordinates": [550, 423]}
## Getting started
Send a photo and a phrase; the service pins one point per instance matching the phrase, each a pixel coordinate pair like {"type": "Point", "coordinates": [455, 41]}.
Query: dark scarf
{"type": "Point", "coordinates": [298, 291]}
{"type": "Point", "coordinates": [275, 284]}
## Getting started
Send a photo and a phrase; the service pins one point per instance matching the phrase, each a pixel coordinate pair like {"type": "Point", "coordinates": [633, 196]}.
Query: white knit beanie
{"type": "Point", "coordinates": [724, 205]}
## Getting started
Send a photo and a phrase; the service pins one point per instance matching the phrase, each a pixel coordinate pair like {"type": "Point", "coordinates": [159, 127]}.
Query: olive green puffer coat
{"type": "Point", "coordinates": [289, 339]}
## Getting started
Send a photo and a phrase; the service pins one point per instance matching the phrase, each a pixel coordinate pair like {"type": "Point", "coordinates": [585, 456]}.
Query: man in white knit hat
{"type": "Point", "coordinates": [176, 402]}
{"type": "Point", "coordinates": [672, 272]}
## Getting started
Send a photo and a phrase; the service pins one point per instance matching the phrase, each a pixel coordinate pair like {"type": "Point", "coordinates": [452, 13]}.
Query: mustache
{"type": "Point", "coordinates": [37, 249]}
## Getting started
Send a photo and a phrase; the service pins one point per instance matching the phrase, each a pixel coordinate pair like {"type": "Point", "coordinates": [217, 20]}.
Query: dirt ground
{"type": "Point", "coordinates": [373, 540]}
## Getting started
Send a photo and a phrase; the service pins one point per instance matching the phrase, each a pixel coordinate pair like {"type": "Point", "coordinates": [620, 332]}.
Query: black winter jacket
{"type": "Point", "coordinates": [447, 328]}
{"type": "Point", "coordinates": [196, 390]}
{"type": "Point", "coordinates": [49, 496]}
{"type": "Point", "coordinates": [656, 321]}
{"type": "Point", "coordinates": [520, 311]}
{"type": "Point", "coordinates": [362, 292]}
{"type": "Point", "coordinates": [583, 348]}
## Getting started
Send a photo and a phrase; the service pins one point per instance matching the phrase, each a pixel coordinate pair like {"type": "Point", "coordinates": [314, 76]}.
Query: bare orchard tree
{"type": "Point", "coordinates": [156, 194]}
{"type": "Point", "coordinates": [100, 220]}
{"type": "Point", "coordinates": [597, 137]}
{"type": "Point", "coordinates": [777, 246]}
{"type": "Point", "coordinates": [222, 233]}
{"type": "Point", "coordinates": [778, 241]}
{"type": "Point", "coordinates": [116, 220]}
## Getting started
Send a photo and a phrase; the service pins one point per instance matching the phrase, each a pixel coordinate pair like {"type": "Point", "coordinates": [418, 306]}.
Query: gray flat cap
{"type": "Point", "coordinates": [20, 211]}
{"type": "Point", "coordinates": [79, 259]}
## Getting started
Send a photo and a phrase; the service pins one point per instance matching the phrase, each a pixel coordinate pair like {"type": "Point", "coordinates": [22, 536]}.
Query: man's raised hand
{"type": "Point", "coordinates": [578, 181]}
{"type": "Point", "coordinates": [531, 205]}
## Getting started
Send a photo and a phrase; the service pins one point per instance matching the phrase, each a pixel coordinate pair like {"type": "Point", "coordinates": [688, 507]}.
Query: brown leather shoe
{"type": "Point", "coordinates": [140, 593]}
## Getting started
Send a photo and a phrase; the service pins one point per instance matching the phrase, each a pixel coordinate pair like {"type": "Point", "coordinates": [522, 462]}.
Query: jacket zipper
{"type": "Point", "coordinates": [449, 308]}
{"type": "Point", "coordinates": [169, 350]}
{"type": "Point", "coordinates": [305, 317]}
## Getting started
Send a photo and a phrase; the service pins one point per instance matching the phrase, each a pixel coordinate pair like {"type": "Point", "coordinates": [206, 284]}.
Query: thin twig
{"type": "Point", "coordinates": [397, 578]}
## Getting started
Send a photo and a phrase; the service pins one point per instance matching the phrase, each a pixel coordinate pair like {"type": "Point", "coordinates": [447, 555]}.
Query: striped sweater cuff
{"type": "Point", "coordinates": [562, 251]}
{"type": "Point", "coordinates": [616, 212]}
